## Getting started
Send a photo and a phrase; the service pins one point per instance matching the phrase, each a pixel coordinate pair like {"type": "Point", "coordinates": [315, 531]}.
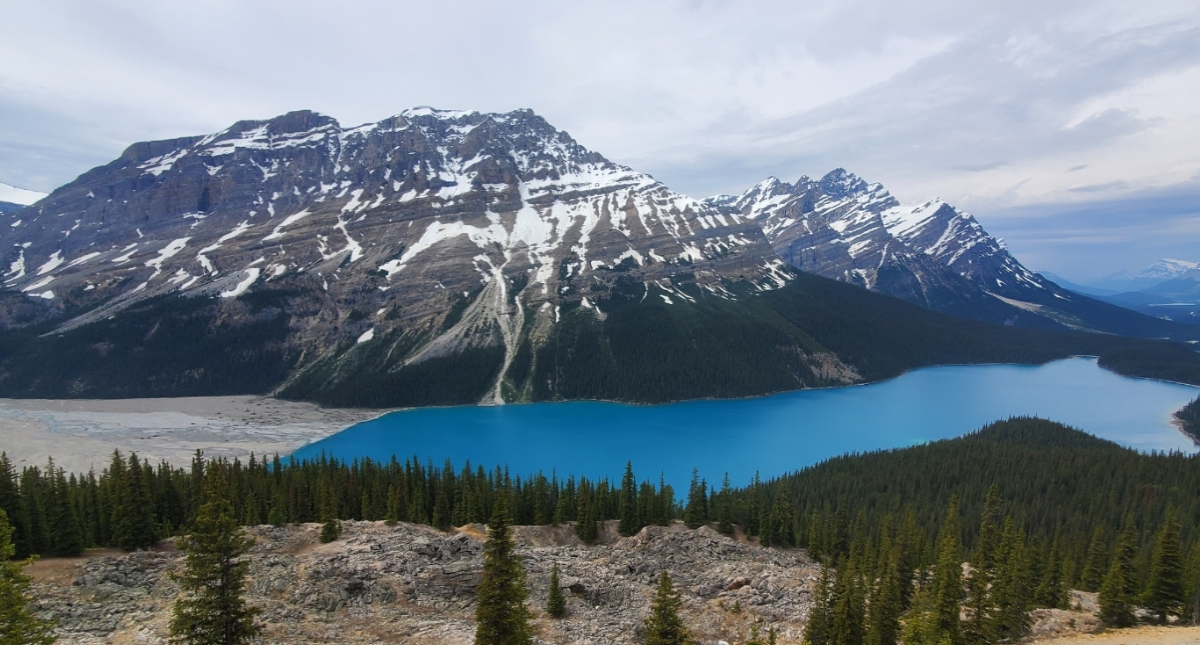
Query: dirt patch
{"type": "Point", "coordinates": [65, 570]}
{"type": "Point", "coordinates": [1135, 636]}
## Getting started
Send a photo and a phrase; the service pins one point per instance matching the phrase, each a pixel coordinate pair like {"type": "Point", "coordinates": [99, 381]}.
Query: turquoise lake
{"type": "Point", "coordinates": [774, 434]}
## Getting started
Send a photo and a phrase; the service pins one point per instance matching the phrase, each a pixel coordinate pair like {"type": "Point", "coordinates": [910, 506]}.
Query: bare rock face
{"type": "Point", "coordinates": [428, 235]}
{"type": "Point", "coordinates": [413, 584]}
{"type": "Point", "coordinates": [401, 215]}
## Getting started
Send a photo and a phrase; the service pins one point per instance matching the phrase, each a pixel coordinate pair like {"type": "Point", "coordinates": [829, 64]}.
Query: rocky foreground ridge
{"type": "Point", "coordinates": [414, 584]}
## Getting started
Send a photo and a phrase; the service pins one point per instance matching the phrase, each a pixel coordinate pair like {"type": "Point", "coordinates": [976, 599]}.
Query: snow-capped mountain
{"type": "Point", "coordinates": [493, 222]}
{"type": "Point", "coordinates": [1168, 269]}
{"type": "Point", "coordinates": [933, 254]}
{"type": "Point", "coordinates": [444, 257]}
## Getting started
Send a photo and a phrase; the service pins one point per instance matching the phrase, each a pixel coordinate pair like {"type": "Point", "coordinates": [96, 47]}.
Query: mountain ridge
{"type": "Point", "coordinates": [439, 257]}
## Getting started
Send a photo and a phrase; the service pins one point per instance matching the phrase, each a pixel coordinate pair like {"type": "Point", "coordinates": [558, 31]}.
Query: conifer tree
{"type": "Point", "coordinates": [847, 605]}
{"type": "Point", "coordinates": [133, 521]}
{"type": "Point", "coordinates": [627, 506]}
{"type": "Point", "coordinates": [981, 585]}
{"type": "Point", "coordinates": [556, 600]}
{"type": "Point", "coordinates": [32, 525]}
{"type": "Point", "coordinates": [1096, 561]}
{"type": "Point", "coordinates": [1051, 592]}
{"type": "Point", "coordinates": [1010, 590]}
{"type": "Point", "coordinates": [948, 590]}
{"type": "Point", "coordinates": [585, 522]}
{"type": "Point", "coordinates": [783, 521]}
{"type": "Point", "coordinates": [906, 556]}
{"type": "Point", "coordinates": [664, 626]}
{"type": "Point", "coordinates": [18, 625]}
{"type": "Point", "coordinates": [695, 514]}
{"type": "Point", "coordinates": [725, 507]}
{"type": "Point", "coordinates": [754, 506]}
{"type": "Point", "coordinates": [1164, 592]}
{"type": "Point", "coordinates": [501, 615]}
{"type": "Point", "coordinates": [212, 610]}
{"type": "Point", "coordinates": [883, 627]}
{"type": "Point", "coordinates": [277, 514]}
{"type": "Point", "coordinates": [1119, 588]}
{"type": "Point", "coordinates": [331, 528]}
{"type": "Point", "coordinates": [66, 534]}
{"type": "Point", "coordinates": [818, 629]}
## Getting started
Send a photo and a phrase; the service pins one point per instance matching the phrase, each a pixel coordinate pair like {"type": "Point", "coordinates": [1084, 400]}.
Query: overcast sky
{"type": "Point", "coordinates": [1071, 128]}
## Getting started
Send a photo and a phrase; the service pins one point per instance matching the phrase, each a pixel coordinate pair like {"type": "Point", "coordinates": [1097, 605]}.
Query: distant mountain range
{"type": "Point", "coordinates": [1168, 289]}
{"type": "Point", "coordinates": [446, 257]}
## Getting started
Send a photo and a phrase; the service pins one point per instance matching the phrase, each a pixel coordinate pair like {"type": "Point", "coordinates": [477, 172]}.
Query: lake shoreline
{"type": "Point", "coordinates": [81, 434]}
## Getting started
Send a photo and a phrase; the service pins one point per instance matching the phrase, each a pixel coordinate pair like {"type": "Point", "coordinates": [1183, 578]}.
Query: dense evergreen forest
{"type": "Point", "coordinates": [1074, 506]}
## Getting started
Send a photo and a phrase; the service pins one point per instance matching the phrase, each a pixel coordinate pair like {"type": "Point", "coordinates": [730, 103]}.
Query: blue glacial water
{"type": "Point", "coordinates": [773, 434]}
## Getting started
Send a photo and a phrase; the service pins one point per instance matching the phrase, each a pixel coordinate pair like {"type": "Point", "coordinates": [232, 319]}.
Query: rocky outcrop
{"type": "Point", "coordinates": [412, 584]}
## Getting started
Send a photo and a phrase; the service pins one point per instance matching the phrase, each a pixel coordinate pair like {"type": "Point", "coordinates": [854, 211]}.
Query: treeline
{"type": "Point", "coordinates": [132, 503]}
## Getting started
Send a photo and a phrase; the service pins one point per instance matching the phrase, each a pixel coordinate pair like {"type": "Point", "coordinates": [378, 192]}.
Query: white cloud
{"type": "Point", "coordinates": [988, 105]}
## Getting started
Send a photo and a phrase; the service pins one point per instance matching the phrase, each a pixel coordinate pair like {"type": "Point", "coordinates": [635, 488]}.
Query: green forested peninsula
{"type": "Point", "coordinates": [1189, 419]}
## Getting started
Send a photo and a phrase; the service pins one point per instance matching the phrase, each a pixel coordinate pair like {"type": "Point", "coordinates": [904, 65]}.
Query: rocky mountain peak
{"type": "Point", "coordinates": [459, 230]}
{"type": "Point", "coordinates": [839, 184]}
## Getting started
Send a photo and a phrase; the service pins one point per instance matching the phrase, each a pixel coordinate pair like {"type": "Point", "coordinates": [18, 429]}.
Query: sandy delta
{"type": "Point", "coordinates": [82, 434]}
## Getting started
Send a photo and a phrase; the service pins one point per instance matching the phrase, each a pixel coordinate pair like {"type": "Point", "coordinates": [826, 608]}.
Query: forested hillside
{"type": "Point", "coordinates": [812, 332]}
{"type": "Point", "coordinates": [1036, 506]}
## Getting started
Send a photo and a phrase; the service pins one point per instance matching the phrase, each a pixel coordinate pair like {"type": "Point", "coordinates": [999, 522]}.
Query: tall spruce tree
{"type": "Point", "coordinates": [1095, 562]}
{"type": "Point", "coordinates": [783, 521]}
{"type": "Point", "coordinates": [695, 514]}
{"type": "Point", "coordinates": [501, 615]}
{"type": "Point", "coordinates": [1050, 591]}
{"type": "Point", "coordinates": [18, 625]}
{"type": "Point", "coordinates": [883, 624]}
{"type": "Point", "coordinates": [818, 630]}
{"type": "Point", "coordinates": [585, 514]}
{"type": "Point", "coordinates": [1010, 587]}
{"type": "Point", "coordinates": [664, 625]}
{"type": "Point", "coordinates": [133, 519]}
{"type": "Point", "coordinates": [66, 533]}
{"type": "Point", "coordinates": [725, 507]}
{"type": "Point", "coordinates": [981, 584]}
{"type": "Point", "coordinates": [627, 507]}
{"type": "Point", "coordinates": [213, 610]}
{"type": "Point", "coordinates": [1164, 592]}
{"type": "Point", "coordinates": [1117, 593]}
{"type": "Point", "coordinates": [847, 605]}
{"type": "Point", "coordinates": [556, 600]}
{"type": "Point", "coordinates": [948, 588]}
